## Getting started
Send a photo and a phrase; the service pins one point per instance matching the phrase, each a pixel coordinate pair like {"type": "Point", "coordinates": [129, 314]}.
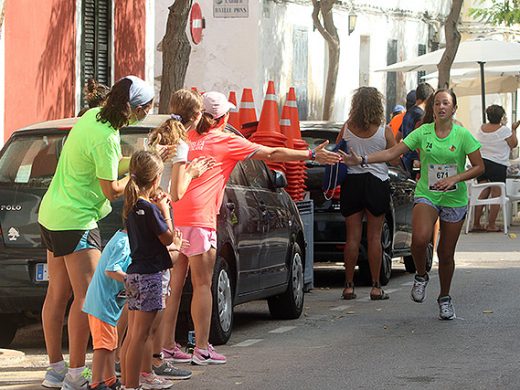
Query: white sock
{"type": "Point", "coordinates": [76, 372]}
{"type": "Point", "coordinates": [58, 366]}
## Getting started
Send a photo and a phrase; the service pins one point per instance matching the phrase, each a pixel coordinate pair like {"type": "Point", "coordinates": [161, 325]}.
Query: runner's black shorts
{"type": "Point", "coordinates": [493, 172]}
{"type": "Point", "coordinates": [65, 242]}
{"type": "Point", "coordinates": [364, 191]}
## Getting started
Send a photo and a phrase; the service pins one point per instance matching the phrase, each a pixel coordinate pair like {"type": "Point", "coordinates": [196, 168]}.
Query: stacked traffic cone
{"type": "Point", "coordinates": [234, 119]}
{"type": "Point", "coordinates": [268, 132]}
{"type": "Point", "coordinates": [247, 113]}
{"type": "Point", "coordinates": [293, 169]}
{"type": "Point", "coordinates": [296, 139]}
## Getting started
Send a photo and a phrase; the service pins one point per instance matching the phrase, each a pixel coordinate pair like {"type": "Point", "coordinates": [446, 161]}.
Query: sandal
{"type": "Point", "coordinates": [378, 297]}
{"type": "Point", "coordinates": [349, 295]}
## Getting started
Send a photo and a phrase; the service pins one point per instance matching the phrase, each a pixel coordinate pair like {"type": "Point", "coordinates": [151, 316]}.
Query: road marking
{"type": "Point", "coordinates": [282, 329]}
{"type": "Point", "coordinates": [340, 308]}
{"type": "Point", "coordinates": [247, 343]}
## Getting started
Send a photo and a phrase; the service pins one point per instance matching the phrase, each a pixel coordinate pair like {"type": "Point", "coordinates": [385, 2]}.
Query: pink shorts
{"type": "Point", "coordinates": [201, 239]}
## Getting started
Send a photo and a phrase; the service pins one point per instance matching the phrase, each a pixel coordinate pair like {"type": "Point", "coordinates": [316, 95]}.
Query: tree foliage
{"type": "Point", "coordinates": [499, 12]}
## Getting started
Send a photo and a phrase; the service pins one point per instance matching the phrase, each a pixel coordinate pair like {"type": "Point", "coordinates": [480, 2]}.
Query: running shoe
{"type": "Point", "coordinates": [79, 383]}
{"type": "Point", "coordinates": [54, 379]}
{"type": "Point", "coordinates": [152, 381]}
{"type": "Point", "coordinates": [419, 288]}
{"type": "Point", "coordinates": [176, 354]}
{"type": "Point", "coordinates": [446, 310]}
{"type": "Point", "coordinates": [167, 370]}
{"type": "Point", "coordinates": [210, 356]}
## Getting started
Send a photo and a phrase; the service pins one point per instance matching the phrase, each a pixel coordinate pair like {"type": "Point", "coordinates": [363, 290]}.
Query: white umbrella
{"type": "Point", "coordinates": [466, 82]}
{"type": "Point", "coordinates": [470, 54]}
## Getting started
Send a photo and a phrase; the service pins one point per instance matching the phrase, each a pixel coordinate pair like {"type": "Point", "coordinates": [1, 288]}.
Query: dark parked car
{"type": "Point", "coordinates": [329, 224]}
{"type": "Point", "coordinates": [260, 234]}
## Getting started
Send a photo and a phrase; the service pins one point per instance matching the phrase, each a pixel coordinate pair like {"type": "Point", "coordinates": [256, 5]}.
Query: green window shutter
{"type": "Point", "coordinates": [95, 41]}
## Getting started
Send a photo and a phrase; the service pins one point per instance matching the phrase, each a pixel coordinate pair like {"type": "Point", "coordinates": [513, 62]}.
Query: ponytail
{"type": "Point", "coordinates": [131, 196]}
{"type": "Point", "coordinates": [170, 132]}
{"type": "Point", "coordinates": [117, 109]}
{"type": "Point", "coordinates": [207, 123]}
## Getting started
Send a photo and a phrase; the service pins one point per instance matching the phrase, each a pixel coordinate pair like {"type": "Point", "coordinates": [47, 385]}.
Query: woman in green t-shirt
{"type": "Point", "coordinates": [85, 182]}
{"type": "Point", "coordinates": [440, 193]}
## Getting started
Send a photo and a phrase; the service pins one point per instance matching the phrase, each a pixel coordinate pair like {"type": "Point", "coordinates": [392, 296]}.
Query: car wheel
{"type": "Point", "coordinates": [409, 264]}
{"type": "Point", "coordinates": [9, 328]}
{"type": "Point", "coordinates": [289, 305]}
{"type": "Point", "coordinates": [222, 315]}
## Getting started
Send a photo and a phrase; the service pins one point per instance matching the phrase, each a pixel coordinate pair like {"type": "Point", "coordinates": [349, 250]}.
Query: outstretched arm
{"type": "Point", "coordinates": [393, 153]}
{"type": "Point", "coordinates": [321, 154]}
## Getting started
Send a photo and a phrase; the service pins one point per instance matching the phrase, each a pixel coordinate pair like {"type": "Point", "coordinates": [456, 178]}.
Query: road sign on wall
{"type": "Point", "coordinates": [230, 8]}
{"type": "Point", "coordinates": [196, 23]}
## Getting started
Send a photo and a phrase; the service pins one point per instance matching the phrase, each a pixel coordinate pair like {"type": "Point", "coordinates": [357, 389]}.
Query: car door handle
{"type": "Point", "coordinates": [230, 206]}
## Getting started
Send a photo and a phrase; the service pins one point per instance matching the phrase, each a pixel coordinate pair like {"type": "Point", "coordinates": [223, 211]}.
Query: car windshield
{"type": "Point", "coordinates": [31, 159]}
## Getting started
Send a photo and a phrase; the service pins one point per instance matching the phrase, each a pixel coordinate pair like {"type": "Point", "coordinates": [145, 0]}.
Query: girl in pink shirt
{"type": "Point", "coordinates": [196, 213]}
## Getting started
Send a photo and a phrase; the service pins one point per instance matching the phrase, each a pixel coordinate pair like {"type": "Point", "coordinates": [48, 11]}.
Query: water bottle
{"type": "Point", "coordinates": [190, 346]}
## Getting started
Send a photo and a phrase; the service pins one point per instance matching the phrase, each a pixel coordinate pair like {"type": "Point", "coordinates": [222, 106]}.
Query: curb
{"type": "Point", "coordinates": [10, 357]}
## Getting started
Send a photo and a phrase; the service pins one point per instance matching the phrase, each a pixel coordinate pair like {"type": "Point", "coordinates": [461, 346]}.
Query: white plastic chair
{"type": "Point", "coordinates": [502, 200]}
{"type": "Point", "coordinates": [513, 193]}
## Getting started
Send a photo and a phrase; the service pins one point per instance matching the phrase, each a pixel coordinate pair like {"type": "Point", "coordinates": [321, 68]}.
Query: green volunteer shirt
{"type": "Point", "coordinates": [442, 156]}
{"type": "Point", "coordinates": [74, 200]}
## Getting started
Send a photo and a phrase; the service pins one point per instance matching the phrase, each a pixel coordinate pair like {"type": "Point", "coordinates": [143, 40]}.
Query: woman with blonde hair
{"type": "Point", "coordinates": [366, 190]}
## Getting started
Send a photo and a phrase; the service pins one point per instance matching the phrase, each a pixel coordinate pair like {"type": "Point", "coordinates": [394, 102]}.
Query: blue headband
{"type": "Point", "coordinates": [140, 92]}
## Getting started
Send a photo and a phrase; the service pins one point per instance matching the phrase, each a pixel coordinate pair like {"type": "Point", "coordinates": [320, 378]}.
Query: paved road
{"type": "Point", "coordinates": [361, 344]}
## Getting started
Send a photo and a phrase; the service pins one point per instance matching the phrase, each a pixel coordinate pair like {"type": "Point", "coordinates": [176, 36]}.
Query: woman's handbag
{"type": "Point", "coordinates": [335, 174]}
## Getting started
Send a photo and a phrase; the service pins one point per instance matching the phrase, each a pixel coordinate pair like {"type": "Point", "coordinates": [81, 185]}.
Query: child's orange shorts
{"type": "Point", "coordinates": [104, 336]}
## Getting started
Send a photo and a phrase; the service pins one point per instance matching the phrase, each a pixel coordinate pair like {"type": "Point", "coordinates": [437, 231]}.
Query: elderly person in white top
{"type": "Point", "coordinates": [497, 141]}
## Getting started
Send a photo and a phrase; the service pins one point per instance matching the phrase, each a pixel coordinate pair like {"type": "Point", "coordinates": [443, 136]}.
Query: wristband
{"type": "Point", "coordinates": [364, 163]}
{"type": "Point", "coordinates": [312, 154]}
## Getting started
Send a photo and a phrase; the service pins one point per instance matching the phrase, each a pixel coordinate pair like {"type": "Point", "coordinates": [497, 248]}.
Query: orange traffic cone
{"type": "Point", "coordinates": [285, 125]}
{"type": "Point", "coordinates": [247, 112]}
{"type": "Point", "coordinates": [234, 119]}
{"type": "Point", "coordinates": [268, 132]}
{"type": "Point", "coordinates": [269, 119]}
{"type": "Point", "coordinates": [295, 121]}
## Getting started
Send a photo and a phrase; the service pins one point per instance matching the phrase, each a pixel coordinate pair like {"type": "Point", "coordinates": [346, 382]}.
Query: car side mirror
{"type": "Point", "coordinates": [279, 179]}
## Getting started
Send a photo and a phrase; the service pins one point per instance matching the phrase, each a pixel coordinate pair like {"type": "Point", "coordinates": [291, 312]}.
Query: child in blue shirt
{"type": "Point", "coordinates": [104, 303]}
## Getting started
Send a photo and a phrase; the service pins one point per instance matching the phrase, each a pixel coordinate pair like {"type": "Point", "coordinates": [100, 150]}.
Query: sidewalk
{"type": "Point", "coordinates": [10, 357]}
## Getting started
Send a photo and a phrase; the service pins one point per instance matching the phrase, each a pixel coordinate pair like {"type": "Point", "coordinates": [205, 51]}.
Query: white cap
{"type": "Point", "coordinates": [216, 104]}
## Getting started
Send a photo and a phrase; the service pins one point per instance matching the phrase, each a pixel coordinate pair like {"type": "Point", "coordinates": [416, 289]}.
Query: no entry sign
{"type": "Point", "coordinates": [196, 23]}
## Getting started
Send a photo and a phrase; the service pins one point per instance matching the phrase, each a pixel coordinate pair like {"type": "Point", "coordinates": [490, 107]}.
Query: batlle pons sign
{"type": "Point", "coordinates": [230, 8]}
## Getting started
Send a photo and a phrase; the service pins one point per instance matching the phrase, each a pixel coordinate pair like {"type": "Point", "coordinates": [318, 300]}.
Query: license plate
{"type": "Point", "coordinates": [41, 272]}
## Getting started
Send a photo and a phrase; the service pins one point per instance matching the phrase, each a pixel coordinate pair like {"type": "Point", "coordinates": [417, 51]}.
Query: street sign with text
{"type": "Point", "coordinates": [230, 8]}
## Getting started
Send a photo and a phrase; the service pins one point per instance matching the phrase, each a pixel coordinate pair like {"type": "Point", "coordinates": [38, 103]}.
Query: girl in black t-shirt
{"type": "Point", "coordinates": [150, 232]}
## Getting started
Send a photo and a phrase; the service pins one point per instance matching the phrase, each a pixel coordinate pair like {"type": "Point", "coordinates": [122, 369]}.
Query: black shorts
{"type": "Point", "coordinates": [493, 172]}
{"type": "Point", "coordinates": [65, 242]}
{"type": "Point", "coordinates": [364, 191]}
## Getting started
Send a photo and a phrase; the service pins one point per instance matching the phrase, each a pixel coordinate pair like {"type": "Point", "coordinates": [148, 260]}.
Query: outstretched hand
{"type": "Point", "coordinates": [178, 242]}
{"type": "Point", "coordinates": [166, 151]}
{"type": "Point", "coordinates": [323, 156]}
{"type": "Point", "coordinates": [350, 159]}
{"type": "Point", "coordinates": [199, 165]}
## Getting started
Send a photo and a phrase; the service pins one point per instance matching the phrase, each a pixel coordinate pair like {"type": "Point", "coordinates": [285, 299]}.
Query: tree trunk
{"type": "Point", "coordinates": [176, 52]}
{"type": "Point", "coordinates": [330, 34]}
{"type": "Point", "coordinates": [452, 44]}
{"type": "Point", "coordinates": [2, 14]}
